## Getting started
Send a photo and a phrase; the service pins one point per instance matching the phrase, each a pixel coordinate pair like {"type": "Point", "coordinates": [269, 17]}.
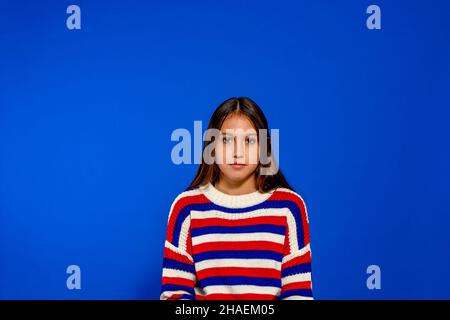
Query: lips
{"type": "Point", "coordinates": [237, 165]}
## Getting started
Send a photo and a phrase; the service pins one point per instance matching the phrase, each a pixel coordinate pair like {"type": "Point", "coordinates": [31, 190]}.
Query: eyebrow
{"type": "Point", "coordinates": [228, 134]}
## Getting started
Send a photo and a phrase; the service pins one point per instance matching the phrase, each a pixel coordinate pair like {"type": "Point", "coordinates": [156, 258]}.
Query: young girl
{"type": "Point", "coordinates": [238, 231]}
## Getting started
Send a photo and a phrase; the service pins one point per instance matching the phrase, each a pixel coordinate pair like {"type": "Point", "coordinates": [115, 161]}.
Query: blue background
{"type": "Point", "coordinates": [86, 116]}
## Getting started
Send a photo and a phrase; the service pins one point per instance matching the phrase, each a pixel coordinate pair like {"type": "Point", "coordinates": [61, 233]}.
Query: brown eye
{"type": "Point", "coordinates": [226, 140]}
{"type": "Point", "coordinates": [250, 140]}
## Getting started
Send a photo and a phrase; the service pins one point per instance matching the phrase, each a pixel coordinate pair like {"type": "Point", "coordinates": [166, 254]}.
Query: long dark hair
{"type": "Point", "coordinates": [247, 107]}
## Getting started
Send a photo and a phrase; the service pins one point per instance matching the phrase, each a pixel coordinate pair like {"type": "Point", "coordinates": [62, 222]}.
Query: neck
{"type": "Point", "coordinates": [236, 187]}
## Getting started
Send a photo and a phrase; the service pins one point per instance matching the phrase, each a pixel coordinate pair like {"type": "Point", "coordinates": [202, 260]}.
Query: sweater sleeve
{"type": "Point", "coordinates": [178, 273]}
{"type": "Point", "coordinates": [296, 282]}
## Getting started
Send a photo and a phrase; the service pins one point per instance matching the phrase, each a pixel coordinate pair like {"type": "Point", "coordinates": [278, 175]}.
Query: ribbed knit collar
{"type": "Point", "coordinates": [233, 201]}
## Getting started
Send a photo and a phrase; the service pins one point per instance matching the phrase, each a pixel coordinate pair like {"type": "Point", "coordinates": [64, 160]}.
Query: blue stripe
{"type": "Point", "coordinates": [293, 207]}
{"type": "Point", "coordinates": [300, 268]}
{"type": "Point", "coordinates": [269, 204]}
{"type": "Point", "coordinates": [296, 292]}
{"type": "Point", "coordinates": [239, 229]}
{"type": "Point", "coordinates": [187, 296]}
{"type": "Point", "coordinates": [238, 254]}
{"type": "Point", "coordinates": [176, 287]}
{"type": "Point", "coordinates": [174, 264]}
{"type": "Point", "coordinates": [182, 215]}
{"type": "Point", "coordinates": [237, 280]}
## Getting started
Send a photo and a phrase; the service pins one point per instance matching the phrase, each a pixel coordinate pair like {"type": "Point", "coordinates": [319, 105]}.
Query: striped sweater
{"type": "Point", "coordinates": [231, 247]}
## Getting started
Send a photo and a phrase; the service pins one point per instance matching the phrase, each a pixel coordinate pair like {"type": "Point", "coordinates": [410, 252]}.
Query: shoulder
{"type": "Point", "coordinates": [185, 196]}
{"type": "Point", "coordinates": [184, 199]}
{"type": "Point", "coordinates": [298, 221]}
{"type": "Point", "coordinates": [292, 200]}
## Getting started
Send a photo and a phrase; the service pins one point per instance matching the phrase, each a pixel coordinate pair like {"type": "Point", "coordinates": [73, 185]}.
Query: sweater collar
{"type": "Point", "coordinates": [233, 201]}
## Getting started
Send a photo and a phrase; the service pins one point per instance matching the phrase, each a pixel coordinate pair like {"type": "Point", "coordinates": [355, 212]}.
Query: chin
{"type": "Point", "coordinates": [238, 175]}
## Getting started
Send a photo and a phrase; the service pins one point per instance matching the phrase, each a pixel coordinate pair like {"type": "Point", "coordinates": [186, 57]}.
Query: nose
{"type": "Point", "coordinates": [239, 148]}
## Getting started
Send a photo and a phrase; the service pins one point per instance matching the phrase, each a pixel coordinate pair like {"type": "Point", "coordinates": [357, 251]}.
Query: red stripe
{"type": "Point", "coordinates": [180, 204]}
{"type": "Point", "coordinates": [189, 243]}
{"type": "Point", "coordinates": [178, 281]}
{"type": "Point", "coordinates": [168, 253]}
{"type": "Point", "coordinates": [243, 296]}
{"type": "Point", "coordinates": [298, 260]}
{"type": "Point", "coordinates": [297, 285]}
{"type": "Point", "coordinates": [175, 296]}
{"type": "Point", "coordinates": [274, 220]}
{"type": "Point", "coordinates": [283, 195]}
{"type": "Point", "coordinates": [239, 271]}
{"type": "Point", "coordinates": [238, 245]}
{"type": "Point", "coordinates": [287, 245]}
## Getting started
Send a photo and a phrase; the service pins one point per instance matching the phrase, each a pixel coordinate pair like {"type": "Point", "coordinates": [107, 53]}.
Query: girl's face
{"type": "Point", "coordinates": [237, 149]}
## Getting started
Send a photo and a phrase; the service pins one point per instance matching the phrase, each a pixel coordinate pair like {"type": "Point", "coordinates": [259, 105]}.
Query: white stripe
{"type": "Point", "coordinates": [167, 294]}
{"type": "Point", "coordinates": [182, 240]}
{"type": "Point", "coordinates": [292, 226]}
{"type": "Point", "coordinates": [182, 195]}
{"type": "Point", "coordinates": [301, 277]}
{"type": "Point", "coordinates": [171, 247]}
{"type": "Point", "coordinates": [242, 289]}
{"type": "Point", "coordinates": [297, 253]}
{"type": "Point", "coordinates": [303, 201]}
{"type": "Point", "coordinates": [291, 220]}
{"type": "Point", "coordinates": [265, 212]}
{"type": "Point", "coordinates": [234, 201]}
{"type": "Point", "coordinates": [298, 298]}
{"type": "Point", "coordinates": [249, 263]}
{"type": "Point", "coordinates": [178, 274]}
{"type": "Point", "coordinates": [235, 237]}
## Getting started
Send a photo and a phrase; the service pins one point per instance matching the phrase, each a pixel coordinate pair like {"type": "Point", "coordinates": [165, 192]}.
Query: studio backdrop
{"type": "Point", "coordinates": [91, 93]}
